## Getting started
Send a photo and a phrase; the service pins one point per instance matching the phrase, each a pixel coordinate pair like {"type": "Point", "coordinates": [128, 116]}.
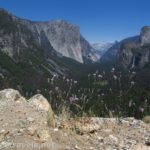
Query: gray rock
{"type": "Point", "coordinates": [41, 104]}
{"type": "Point", "coordinates": [145, 35]}
{"type": "Point", "coordinates": [43, 135]}
{"type": "Point", "coordinates": [31, 130]}
{"type": "Point", "coordinates": [59, 35]}
{"type": "Point", "coordinates": [9, 95]}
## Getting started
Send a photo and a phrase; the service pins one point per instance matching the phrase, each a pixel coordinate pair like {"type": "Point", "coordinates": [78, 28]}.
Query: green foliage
{"type": "Point", "coordinates": [119, 96]}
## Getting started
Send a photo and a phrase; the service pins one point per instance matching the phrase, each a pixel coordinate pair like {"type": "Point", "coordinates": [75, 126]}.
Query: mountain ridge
{"type": "Point", "coordinates": [64, 37]}
{"type": "Point", "coordinates": [28, 60]}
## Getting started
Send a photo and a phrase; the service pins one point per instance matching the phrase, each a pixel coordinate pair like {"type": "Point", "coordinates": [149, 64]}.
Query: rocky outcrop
{"type": "Point", "coordinates": [35, 105]}
{"type": "Point", "coordinates": [41, 104]}
{"type": "Point", "coordinates": [11, 95]}
{"type": "Point", "coordinates": [24, 126]}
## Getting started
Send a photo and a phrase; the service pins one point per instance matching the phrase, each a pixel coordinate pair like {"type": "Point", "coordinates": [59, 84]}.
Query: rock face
{"type": "Point", "coordinates": [135, 54]}
{"type": "Point", "coordinates": [132, 52]}
{"type": "Point", "coordinates": [110, 55]}
{"type": "Point", "coordinates": [59, 35]}
{"type": "Point", "coordinates": [64, 38]}
{"type": "Point", "coordinates": [145, 35]}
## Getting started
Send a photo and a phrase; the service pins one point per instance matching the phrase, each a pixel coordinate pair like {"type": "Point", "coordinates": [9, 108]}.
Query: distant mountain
{"type": "Point", "coordinates": [32, 52]}
{"type": "Point", "coordinates": [131, 54]}
{"type": "Point", "coordinates": [136, 53]}
{"type": "Point", "coordinates": [110, 57]}
{"type": "Point", "coordinates": [60, 35]}
{"type": "Point", "coordinates": [102, 46]}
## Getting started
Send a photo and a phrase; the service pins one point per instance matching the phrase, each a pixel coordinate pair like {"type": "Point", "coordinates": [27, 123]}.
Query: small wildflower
{"type": "Point", "coordinates": [113, 111]}
{"type": "Point", "coordinates": [56, 88]}
{"type": "Point", "coordinates": [74, 98]}
{"type": "Point", "coordinates": [52, 79]}
{"type": "Point", "coordinates": [115, 77]}
{"type": "Point", "coordinates": [64, 77]}
{"type": "Point", "coordinates": [55, 75]}
{"type": "Point", "coordinates": [133, 73]}
{"type": "Point", "coordinates": [141, 109]}
{"type": "Point", "coordinates": [38, 91]}
{"type": "Point", "coordinates": [75, 82]}
{"type": "Point", "coordinates": [89, 75]}
{"type": "Point", "coordinates": [145, 101]}
{"type": "Point", "coordinates": [102, 94]}
{"type": "Point", "coordinates": [113, 69]}
{"type": "Point", "coordinates": [50, 92]}
{"type": "Point", "coordinates": [132, 83]}
{"type": "Point", "coordinates": [2, 76]}
{"type": "Point", "coordinates": [48, 80]}
{"type": "Point", "coordinates": [100, 76]}
{"type": "Point", "coordinates": [94, 74]}
{"type": "Point", "coordinates": [67, 80]}
{"type": "Point", "coordinates": [110, 89]}
{"type": "Point", "coordinates": [130, 103]}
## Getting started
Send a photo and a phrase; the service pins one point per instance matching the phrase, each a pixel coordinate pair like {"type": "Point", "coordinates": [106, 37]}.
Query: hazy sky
{"type": "Point", "coordinates": [99, 20]}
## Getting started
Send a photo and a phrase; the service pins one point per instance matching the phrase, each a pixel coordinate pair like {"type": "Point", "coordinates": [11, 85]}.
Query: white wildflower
{"type": "Point", "coordinates": [102, 94]}
{"type": "Point", "coordinates": [94, 74]}
{"type": "Point", "coordinates": [100, 76]}
{"type": "Point", "coordinates": [56, 88]}
{"type": "Point", "coordinates": [130, 103]}
{"type": "Point", "coordinates": [75, 82]}
{"type": "Point", "coordinates": [115, 77]}
{"type": "Point", "coordinates": [132, 83]}
{"type": "Point", "coordinates": [141, 109]}
{"type": "Point", "coordinates": [113, 69]}
{"type": "Point", "coordinates": [67, 80]}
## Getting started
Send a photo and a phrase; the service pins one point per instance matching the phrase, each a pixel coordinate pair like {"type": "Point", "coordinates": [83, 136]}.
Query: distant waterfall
{"type": "Point", "coordinates": [133, 62]}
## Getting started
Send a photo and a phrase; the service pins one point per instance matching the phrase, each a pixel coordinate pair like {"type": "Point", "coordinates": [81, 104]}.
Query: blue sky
{"type": "Point", "coordinates": [99, 20]}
